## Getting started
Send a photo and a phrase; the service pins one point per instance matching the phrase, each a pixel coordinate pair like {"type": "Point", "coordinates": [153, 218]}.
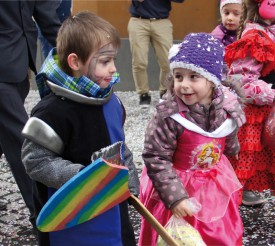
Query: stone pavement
{"type": "Point", "coordinates": [15, 229]}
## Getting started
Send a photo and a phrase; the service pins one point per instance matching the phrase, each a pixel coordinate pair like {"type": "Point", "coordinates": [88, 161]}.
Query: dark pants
{"type": "Point", "coordinates": [127, 230]}
{"type": "Point", "coordinates": [13, 117]}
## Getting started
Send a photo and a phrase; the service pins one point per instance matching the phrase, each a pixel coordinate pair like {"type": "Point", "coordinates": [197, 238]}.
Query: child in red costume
{"type": "Point", "coordinates": [253, 58]}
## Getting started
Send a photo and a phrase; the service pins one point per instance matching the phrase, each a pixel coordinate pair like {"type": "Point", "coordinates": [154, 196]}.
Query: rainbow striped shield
{"type": "Point", "coordinates": [94, 190]}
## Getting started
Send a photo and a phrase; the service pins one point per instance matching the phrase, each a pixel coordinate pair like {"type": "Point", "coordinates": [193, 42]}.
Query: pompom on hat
{"type": "Point", "coordinates": [201, 53]}
{"type": "Point", "coordinates": [224, 2]}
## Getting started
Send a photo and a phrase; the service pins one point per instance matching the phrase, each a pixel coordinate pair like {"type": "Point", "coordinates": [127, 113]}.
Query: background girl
{"type": "Point", "coordinates": [226, 31]}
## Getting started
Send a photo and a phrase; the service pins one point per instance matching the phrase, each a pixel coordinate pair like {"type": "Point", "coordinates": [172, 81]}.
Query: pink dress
{"type": "Point", "coordinates": [206, 175]}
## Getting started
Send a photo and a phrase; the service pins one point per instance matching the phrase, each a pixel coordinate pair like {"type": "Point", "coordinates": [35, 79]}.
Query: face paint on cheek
{"type": "Point", "coordinates": [96, 62]}
{"type": "Point", "coordinates": [91, 70]}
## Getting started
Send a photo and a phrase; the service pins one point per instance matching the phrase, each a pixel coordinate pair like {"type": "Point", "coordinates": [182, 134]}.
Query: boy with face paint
{"type": "Point", "coordinates": [75, 84]}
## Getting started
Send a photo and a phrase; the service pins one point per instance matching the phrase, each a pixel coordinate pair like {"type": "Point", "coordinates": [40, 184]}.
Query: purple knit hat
{"type": "Point", "coordinates": [201, 53]}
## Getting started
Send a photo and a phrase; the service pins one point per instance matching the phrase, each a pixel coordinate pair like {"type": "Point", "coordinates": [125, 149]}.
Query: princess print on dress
{"type": "Point", "coordinates": [207, 156]}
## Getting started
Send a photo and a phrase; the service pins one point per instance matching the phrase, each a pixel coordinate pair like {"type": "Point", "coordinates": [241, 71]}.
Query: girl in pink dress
{"type": "Point", "coordinates": [185, 142]}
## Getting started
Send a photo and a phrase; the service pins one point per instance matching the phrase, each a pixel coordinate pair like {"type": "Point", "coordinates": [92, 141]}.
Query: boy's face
{"type": "Point", "coordinates": [231, 15]}
{"type": "Point", "coordinates": [192, 87]}
{"type": "Point", "coordinates": [100, 66]}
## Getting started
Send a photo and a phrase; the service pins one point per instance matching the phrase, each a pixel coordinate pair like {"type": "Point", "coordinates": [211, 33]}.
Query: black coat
{"type": "Point", "coordinates": [18, 35]}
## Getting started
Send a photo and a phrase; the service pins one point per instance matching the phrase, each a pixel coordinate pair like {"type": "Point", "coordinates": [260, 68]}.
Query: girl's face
{"type": "Point", "coordinates": [208, 151]}
{"type": "Point", "coordinates": [100, 66]}
{"type": "Point", "coordinates": [192, 87]}
{"type": "Point", "coordinates": [231, 15]}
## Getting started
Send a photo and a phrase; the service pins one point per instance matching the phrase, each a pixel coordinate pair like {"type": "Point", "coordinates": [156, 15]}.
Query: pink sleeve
{"type": "Point", "coordinates": [256, 89]}
{"type": "Point", "coordinates": [217, 33]}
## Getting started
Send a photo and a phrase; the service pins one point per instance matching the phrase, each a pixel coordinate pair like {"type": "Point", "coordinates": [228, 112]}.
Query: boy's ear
{"type": "Point", "coordinates": [73, 61]}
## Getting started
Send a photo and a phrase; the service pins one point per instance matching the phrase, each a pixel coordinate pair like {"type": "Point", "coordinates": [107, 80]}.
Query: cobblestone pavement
{"type": "Point", "coordinates": [15, 229]}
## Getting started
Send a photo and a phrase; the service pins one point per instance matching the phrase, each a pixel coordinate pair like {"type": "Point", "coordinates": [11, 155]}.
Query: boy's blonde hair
{"type": "Point", "coordinates": [83, 34]}
{"type": "Point", "coordinates": [250, 12]}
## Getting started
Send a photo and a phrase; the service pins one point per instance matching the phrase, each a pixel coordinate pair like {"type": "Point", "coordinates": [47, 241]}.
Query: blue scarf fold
{"type": "Point", "coordinates": [51, 71]}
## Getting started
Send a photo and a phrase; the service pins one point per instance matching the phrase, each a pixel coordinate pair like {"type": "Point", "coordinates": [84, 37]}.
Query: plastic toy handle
{"type": "Point", "coordinates": [152, 220]}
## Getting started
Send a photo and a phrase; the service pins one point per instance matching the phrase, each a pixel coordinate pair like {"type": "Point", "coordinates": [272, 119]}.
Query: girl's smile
{"type": "Point", "coordinates": [192, 87]}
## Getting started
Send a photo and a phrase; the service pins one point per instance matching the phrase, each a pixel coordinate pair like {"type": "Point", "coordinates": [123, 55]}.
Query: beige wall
{"type": "Point", "coordinates": [190, 16]}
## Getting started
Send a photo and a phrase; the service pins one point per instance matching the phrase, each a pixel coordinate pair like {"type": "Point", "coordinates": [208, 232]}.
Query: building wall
{"type": "Point", "coordinates": [190, 16]}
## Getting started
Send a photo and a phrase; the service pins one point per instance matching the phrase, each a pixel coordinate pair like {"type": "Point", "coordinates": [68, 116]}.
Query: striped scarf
{"type": "Point", "coordinates": [51, 71]}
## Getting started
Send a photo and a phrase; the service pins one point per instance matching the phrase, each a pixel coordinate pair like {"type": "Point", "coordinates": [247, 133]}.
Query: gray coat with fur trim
{"type": "Point", "coordinates": [162, 133]}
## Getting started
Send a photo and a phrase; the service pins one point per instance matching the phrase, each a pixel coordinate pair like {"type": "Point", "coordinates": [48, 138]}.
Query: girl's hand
{"type": "Point", "coordinates": [182, 209]}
